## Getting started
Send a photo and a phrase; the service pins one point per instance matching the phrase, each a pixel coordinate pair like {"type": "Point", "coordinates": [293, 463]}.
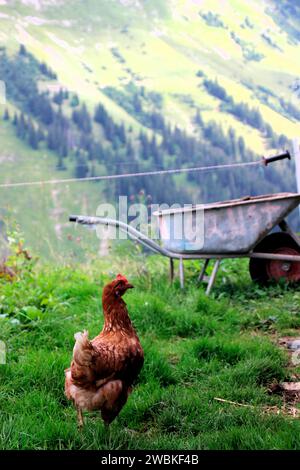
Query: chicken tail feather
{"type": "Point", "coordinates": [83, 358]}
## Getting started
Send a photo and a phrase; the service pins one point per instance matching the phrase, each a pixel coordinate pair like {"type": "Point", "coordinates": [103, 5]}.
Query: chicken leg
{"type": "Point", "coordinates": [79, 417]}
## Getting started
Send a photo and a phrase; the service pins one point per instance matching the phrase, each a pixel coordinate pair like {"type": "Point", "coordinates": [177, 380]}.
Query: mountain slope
{"type": "Point", "coordinates": [161, 47]}
{"type": "Point", "coordinates": [110, 51]}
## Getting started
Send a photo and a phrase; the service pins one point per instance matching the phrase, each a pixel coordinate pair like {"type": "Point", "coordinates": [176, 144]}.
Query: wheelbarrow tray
{"type": "Point", "coordinates": [233, 226]}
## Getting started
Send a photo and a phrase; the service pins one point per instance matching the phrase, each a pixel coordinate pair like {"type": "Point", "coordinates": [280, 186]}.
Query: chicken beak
{"type": "Point", "coordinates": [129, 286]}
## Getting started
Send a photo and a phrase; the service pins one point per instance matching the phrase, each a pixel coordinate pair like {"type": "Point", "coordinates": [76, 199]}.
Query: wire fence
{"type": "Point", "coordinates": [131, 175]}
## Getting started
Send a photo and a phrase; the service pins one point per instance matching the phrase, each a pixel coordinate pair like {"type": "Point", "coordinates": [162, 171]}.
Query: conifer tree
{"type": "Point", "coordinates": [32, 136]}
{"type": "Point", "coordinates": [6, 115]}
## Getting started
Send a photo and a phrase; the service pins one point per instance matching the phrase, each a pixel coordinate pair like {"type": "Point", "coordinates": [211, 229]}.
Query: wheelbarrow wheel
{"type": "Point", "coordinates": [264, 270]}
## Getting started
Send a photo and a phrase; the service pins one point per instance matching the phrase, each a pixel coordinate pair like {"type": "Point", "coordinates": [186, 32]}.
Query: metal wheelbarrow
{"type": "Point", "coordinates": [236, 228]}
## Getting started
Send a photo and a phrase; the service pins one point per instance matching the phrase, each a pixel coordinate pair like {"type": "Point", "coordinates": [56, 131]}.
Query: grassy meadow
{"type": "Point", "coordinates": [196, 349]}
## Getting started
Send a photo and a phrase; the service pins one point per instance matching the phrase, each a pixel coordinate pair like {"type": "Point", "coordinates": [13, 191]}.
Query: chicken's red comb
{"type": "Point", "coordinates": [121, 278]}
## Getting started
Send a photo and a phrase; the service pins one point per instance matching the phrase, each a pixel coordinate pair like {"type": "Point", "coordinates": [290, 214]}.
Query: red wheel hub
{"type": "Point", "coordinates": [289, 270]}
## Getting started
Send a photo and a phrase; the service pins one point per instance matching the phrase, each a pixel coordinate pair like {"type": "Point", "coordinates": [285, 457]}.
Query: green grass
{"type": "Point", "coordinates": [196, 349]}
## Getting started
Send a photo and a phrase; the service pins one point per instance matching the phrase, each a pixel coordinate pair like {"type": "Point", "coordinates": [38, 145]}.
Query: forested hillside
{"type": "Point", "coordinates": [151, 87]}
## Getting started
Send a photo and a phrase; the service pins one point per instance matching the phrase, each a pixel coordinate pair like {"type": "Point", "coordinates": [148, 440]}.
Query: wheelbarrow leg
{"type": "Point", "coordinates": [181, 273]}
{"type": "Point", "coordinates": [203, 271]}
{"type": "Point", "coordinates": [213, 276]}
{"type": "Point", "coordinates": [286, 228]}
{"type": "Point", "coordinates": [171, 270]}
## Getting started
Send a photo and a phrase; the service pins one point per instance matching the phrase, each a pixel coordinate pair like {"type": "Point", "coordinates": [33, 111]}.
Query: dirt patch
{"type": "Point", "coordinates": [290, 391]}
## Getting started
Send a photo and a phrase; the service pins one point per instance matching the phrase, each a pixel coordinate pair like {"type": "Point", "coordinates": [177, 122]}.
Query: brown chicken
{"type": "Point", "coordinates": [103, 370]}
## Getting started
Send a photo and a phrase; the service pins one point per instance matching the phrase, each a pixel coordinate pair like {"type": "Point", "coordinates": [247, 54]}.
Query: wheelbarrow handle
{"type": "Point", "coordinates": [281, 156]}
